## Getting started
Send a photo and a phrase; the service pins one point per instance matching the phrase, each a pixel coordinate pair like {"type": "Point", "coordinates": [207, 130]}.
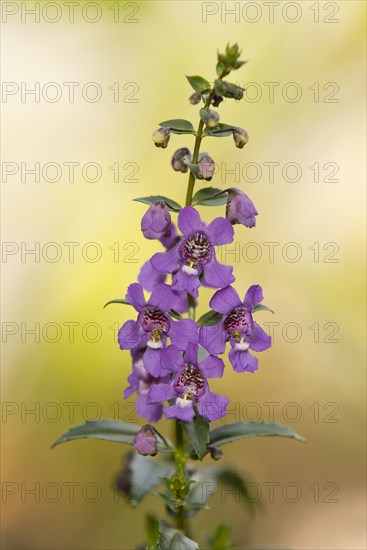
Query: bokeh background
{"type": "Point", "coordinates": [71, 369]}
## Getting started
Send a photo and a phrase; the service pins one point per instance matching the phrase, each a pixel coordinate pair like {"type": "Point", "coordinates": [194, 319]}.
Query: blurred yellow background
{"type": "Point", "coordinates": [88, 248]}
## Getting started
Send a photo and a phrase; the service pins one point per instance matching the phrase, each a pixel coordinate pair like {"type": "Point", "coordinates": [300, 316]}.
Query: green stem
{"type": "Point", "coordinates": [179, 436]}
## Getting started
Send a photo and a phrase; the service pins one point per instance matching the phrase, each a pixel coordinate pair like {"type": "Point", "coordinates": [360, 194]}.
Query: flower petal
{"type": "Point", "coordinates": [212, 367]}
{"type": "Point", "coordinates": [213, 338]}
{"type": "Point", "coordinates": [166, 262]}
{"type": "Point", "coordinates": [152, 361]}
{"type": "Point", "coordinates": [135, 296]}
{"type": "Point", "coordinates": [159, 393]}
{"type": "Point", "coordinates": [191, 354]}
{"type": "Point", "coordinates": [182, 332]}
{"type": "Point", "coordinates": [162, 297]}
{"type": "Point", "coordinates": [243, 361]}
{"type": "Point", "coordinates": [171, 359]}
{"type": "Point", "coordinates": [225, 300]}
{"type": "Point", "coordinates": [129, 335]}
{"type": "Point", "coordinates": [217, 275]}
{"type": "Point", "coordinates": [146, 410]}
{"type": "Point", "coordinates": [189, 220]}
{"type": "Point", "coordinates": [181, 413]}
{"type": "Point", "coordinates": [148, 276]}
{"type": "Point", "coordinates": [254, 296]}
{"type": "Point", "coordinates": [220, 231]}
{"type": "Point", "coordinates": [212, 406]}
{"type": "Point", "coordinates": [183, 282]}
{"type": "Point", "coordinates": [134, 384]}
{"type": "Point", "coordinates": [259, 339]}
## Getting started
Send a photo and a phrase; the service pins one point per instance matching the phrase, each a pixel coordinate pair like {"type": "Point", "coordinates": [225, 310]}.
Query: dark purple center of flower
{"type": "Point", "coordinates": [190, 383]}
{"type": "Point", "coordinates": [237, 321]}
{"type": "Point", "coordinates": [153, 319]}
{"type": "Point", "coordinates": [196, 249]}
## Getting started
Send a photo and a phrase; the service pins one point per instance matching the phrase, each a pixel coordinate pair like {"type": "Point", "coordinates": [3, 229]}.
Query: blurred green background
{"type": "Point", "coordinates": [71, 369]}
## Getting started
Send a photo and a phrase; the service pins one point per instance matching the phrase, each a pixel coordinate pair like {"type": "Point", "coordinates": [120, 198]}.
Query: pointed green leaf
{"type": "Point", "coordinates": [260, 307]}
{"type": "Point", "coordinates": [243, 430]}
{"type": "Point", "coordinates": [116, 301]}
{"type": "Point", "coordinates": [146, 473]}
{"type": "Point", "coordinates": [152, 529]}
{"type": "Point", "coordinates": [210, 318]}
{"type": "Point", "coordinates": [171, 204]}
{"type": "Point", "coordinates": [174, 314]}
{"type": "Point", "coordinates": [209, 194]}
{"type": "Point", "coordinates": [109, 430]}
{"type": "Point", "coordinates": [178, 126]}
{"type": "Point", "coordinates": [199, 83]}
{"type": "Point", "coordinates": [198, 433]}
{"type": "Point", "coordinates": [172, 539]}
{"type": "Point", "coordinates": [193, 167]}
{"type": "Point", "coordinates": [222, 130]}
{"type": "Point", "coordinates": [220, 538]}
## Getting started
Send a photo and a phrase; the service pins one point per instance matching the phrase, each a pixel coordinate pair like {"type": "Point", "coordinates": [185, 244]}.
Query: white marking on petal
{"type": "Point", "coordinates": [189, 270]}
{"type": "Point", "coordinates": [243, 346]}
{"type": "Point", "coordinates": [155, 345]}
{"type": "Point", "coordinates": [183, 403]}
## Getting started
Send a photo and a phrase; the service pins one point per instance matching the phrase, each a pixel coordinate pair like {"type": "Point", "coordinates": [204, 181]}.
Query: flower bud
{"type": "Point", "coordinates": [240, 208]}
{"type": "Point", "coordinates": [211, 118]}
{"type": "Point", "coordinates": [216, 453]}
{"type": "Point", "coordinates": [161, 137]}
{"type": "Point", "coordinates": [240, 137]}
{"type": "Point", "coordinates": [206, 168]}
{"type": "Point", "coordinates": [145, 441]}
{"type": "Point", "coordinates": [177, 160]}
{"type": "Point", "coordinates": [195, 98]}
{"type": "Point", "coordinates": [156, 222]}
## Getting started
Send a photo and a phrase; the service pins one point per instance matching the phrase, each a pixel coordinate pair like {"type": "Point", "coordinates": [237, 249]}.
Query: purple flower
{"type": "Point", "coordinates": [154, 325]}
{"type": "Point", "coordinates": [140, 381]}
{"type": "Point", "coordinates": [189, 386]}
{"type": "Point", "coordinates": [156, 222]}
{"type": "Point", "coordinates": [192, 260]}
{"type": "Point", "coordinates": [145, 441]}
{"type": "Point", "coordinates": [240, 208]}
{"type": "Point", "coordinates": [177, 160]}
{"type": "Point", "coordinates": [206, 168]}
{"type": "Point", "coordinates": [238, 326]}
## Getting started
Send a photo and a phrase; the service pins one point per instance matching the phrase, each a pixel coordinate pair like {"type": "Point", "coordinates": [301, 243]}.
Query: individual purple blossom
{"type": "Point", "coordinates": [192, 260]}
{"type": "Point", "coordinates": [154, 326]}
{"type": "Point", "coordinates": [189, 386]}
{"type": "Point", "coordinates": [240, 208]}
{"type": "Point", "coordinates": [205, 168]}
{"type": "Point", "coordinates": [237, 326]}
{"type": "Point", "coordinates": [177, 161]}
{"type": "Point", "coordinates": [145, 441]}
{"type": "Point", "coordinates": [148, 276]}
{"type": "Point", "coordinates": [140, 381]}
{"type": "Point", "coordinates": [156, 222]}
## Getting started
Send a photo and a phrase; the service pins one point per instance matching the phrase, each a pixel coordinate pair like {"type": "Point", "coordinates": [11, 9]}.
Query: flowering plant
{"type": "Point", "coordinates": [174, 354]}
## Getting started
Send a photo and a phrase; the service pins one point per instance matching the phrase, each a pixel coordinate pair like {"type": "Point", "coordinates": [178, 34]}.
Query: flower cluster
{"type": "Point", "coordinates": [174, 357]}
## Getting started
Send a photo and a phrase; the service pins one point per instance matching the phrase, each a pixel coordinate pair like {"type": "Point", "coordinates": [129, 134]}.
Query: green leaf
{"type": "Point", "coordinates": [109, 430]}
{"type": "Point", "coordinates": [152, 529]}
{"type": "Point", "coordinates": [193, 167]}
{"type": "Point", "coordinates": [210, 318]}
{"type": "Point", "coordinates": [220, 538]}
{"type": "Point", "coordinates": [243, 430]}
{"type": "Point", "coordinates": [178, 126]}
{"type": "Point", "coordinates": [210, 196]}
{"type": "Point", "coordinates": [232, 479]}
{"type": "Point", "coordinates": [146, 473]}
{"type": "Point", "coordinates": [171, 204]}
{"type": "Point", "coordinates": [174, 314]}
{"type": "Point", "coordinates": [199, 83]}
{"type": "Point", "coordinates": [172, 539]}
{"type": "Point", "coordinates": [117, 301]}
{"type": "Point", "coordinates": [198, 433]}
{"type": "Point", "coordinates": [260, 307]}
{"type": "Point", "coordinates": [222, 130]}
